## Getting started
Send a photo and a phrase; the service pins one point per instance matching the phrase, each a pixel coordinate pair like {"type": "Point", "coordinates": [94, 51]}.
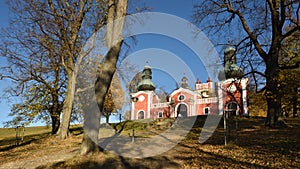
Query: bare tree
{"type": "Point", "coordinates": [259, 32]}
{"type": "Point", "coordinates": [33, 64]}
{"type": "Point", "coordinates": [116, 10]}
{"type": "Point", "coordinates": [74, 22]}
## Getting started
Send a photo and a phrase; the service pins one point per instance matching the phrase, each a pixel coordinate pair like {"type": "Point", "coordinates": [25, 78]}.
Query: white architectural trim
{"type": "Point", "coordinates": [183, 90]}
{"type": "Point", "coordinates": [244, 96]}
{"type": "Point", "coordinates": [220, 97]}
{"type": "Point", "coordinates": [184, 97]}
{"type": "Point", "coordinates": [237, 107]}
{"type": "Point", "coordinates": [132, 110]}
{"type": "Point", "coordinates": [194, 111]}
{"type": "Point", "coordinates": [149, 105]}
{"type": "Point", "coordinates": [176, 107]}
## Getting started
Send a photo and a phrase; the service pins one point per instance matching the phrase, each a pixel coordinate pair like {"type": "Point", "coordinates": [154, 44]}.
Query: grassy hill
{"type": "Point", "coordinates": [255, 146]}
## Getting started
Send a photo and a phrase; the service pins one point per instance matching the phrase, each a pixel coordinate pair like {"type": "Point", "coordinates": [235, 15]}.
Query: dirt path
{"type": "Point", "coordinates": [34, 161]}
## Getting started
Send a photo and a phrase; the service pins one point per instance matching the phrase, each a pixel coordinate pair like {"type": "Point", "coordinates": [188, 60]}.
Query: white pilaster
{"type": "Point", "coordinates": [194, 105]}
{"type": "Point", "coordinates": [132, 110]}
{"type": "Point", "coordinates": [149, 104]}
{"type": "Point", "coordinates": [220, 97]}
{"type": "Point", "coordinates": [244, 96]}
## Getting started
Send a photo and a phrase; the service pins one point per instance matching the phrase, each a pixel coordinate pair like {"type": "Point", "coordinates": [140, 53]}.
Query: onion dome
{"type": "Point", "coordinates": [231, 70]}
{"type": "Point", "coordinates": [146, 83]}
{"type": "Point", "coordinates": [184, 83]}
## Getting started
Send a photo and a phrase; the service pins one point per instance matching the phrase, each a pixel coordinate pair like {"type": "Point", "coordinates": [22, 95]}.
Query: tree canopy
{"type": "Point", "coordinates": [258, 30]}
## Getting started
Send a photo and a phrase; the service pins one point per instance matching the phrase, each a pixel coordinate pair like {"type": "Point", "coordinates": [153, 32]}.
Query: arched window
{"type": "Point", "coordinates": [206, 110]}
{"type": "Point", "coordinates": [232, 108]}
{"type": "Point", "coordinates": [183, 110]}
{"type": "Point", "coordinates": [141, 114]}
{"type": "Point", "coordinates": [160, 114]}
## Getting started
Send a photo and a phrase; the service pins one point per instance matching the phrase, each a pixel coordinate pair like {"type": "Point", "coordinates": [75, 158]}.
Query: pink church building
{"type": "Point", "coordinates": [229, 94]}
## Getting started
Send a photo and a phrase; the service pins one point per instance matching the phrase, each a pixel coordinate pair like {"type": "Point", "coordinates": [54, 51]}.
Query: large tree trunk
{"type": "Point", "coordinates": [273, 88]}
{"type": "Point", "coordinates": [105, 75]}
{"type": "Point", "coordinates": [92, 120]}
{"type": "Point", "coordinates": [107, 121]}
{"type": "Point", "coordinates": [63, 131]}
{"type": "Point", "coordinates": [274, 109]}
{"type": "Point", "coordinates": [91, 130]}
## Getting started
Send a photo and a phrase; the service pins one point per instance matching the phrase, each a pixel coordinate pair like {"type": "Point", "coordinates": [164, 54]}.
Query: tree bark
{"type": "Point", "coordinates": [91, 131]}
{"type": "Point", "coordinates": [273, 92]}
{"type": "Point", "coordinates": [55, 109]}
{"type": "Point", "coordinates": [107, 121]}
{"type": "Point", "coordinates": [92, 120]}
{"type": "Point", "coordinates": [105, 75]}
{"type": "Point", "coordinates": [55, 122]}
{"type": "Point", "coordinates": [88, 145]}
{"type": "Point", "coordinates": [63, 131]}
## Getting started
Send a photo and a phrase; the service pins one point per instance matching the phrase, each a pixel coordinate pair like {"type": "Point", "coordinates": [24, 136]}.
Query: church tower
{"type": "Point", "coordinates": [146, 84]}
{"type": "Point", "coordinates": [231, 70]}
{"type": "Point", "coordinates": [232, 89]}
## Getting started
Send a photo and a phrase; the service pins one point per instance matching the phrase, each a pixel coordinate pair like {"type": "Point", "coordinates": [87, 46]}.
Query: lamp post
{"type": "Point", "coordinates": [134, 99]}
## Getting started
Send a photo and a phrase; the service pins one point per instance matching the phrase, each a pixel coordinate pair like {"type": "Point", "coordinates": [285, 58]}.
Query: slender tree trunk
{"type": "Point", "coordinates": [294, 102]}
{"type": "Point", "coordinates": [63, 131]}
{"type": "Point", "coordinates": [55, 109]}
{"type": "Point", "coordinates": [55, 117]}
{"type": "Point", "coordinates": [107, 120]}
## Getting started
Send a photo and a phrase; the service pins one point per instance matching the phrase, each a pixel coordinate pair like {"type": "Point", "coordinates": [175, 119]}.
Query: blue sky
{"type": "Point", "coordinates": [4, 105]}
{"type": "Point", "coordinates": [167, 45]}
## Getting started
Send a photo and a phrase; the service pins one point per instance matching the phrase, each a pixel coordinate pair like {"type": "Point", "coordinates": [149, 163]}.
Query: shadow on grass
{"type": "Point", "coordinates": [76, 130]}
{"type": "Point", "coordinates": [116, 162]}
{"type": "Point", "coordinates": [10, 143]}
{"type": "Point", "coordinates": [214, 160]}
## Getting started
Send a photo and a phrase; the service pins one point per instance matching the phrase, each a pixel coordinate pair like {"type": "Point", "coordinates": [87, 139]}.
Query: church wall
{"type": "Point", "coordinates": [213, 108]}
{"type": "Point", "coordinates": [164, 110]}
{"type": "Point", "coordinates": [188, 101]}
{"type": "Point", "coordinates": [233, 96]}
{"type": "Point", "coordinates": [141, 105]}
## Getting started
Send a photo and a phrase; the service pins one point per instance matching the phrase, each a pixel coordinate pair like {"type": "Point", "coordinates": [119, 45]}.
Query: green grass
{"type": "Point", "coordinates": [11, 132]}
{"type": "Point", "coordinates": [8, 135]}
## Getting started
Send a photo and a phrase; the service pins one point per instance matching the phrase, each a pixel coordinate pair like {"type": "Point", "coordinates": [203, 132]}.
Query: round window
{"type": "Point", "coordinates": [181, 97]}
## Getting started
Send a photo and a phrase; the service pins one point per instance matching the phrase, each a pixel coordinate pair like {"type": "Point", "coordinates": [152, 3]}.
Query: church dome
{"type": "Point", "coordinates": [184, 83]}
{"type": "Point", "coordinates": [231, 70]}
{"type": "Point", "coordinates": [146, 83]}
{"type": "Point", "coordinates": [229, 49]}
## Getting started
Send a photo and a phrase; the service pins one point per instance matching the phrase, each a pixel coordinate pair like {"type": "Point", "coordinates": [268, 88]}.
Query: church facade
{"type": "Point", "coordinates": [227, 95]}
